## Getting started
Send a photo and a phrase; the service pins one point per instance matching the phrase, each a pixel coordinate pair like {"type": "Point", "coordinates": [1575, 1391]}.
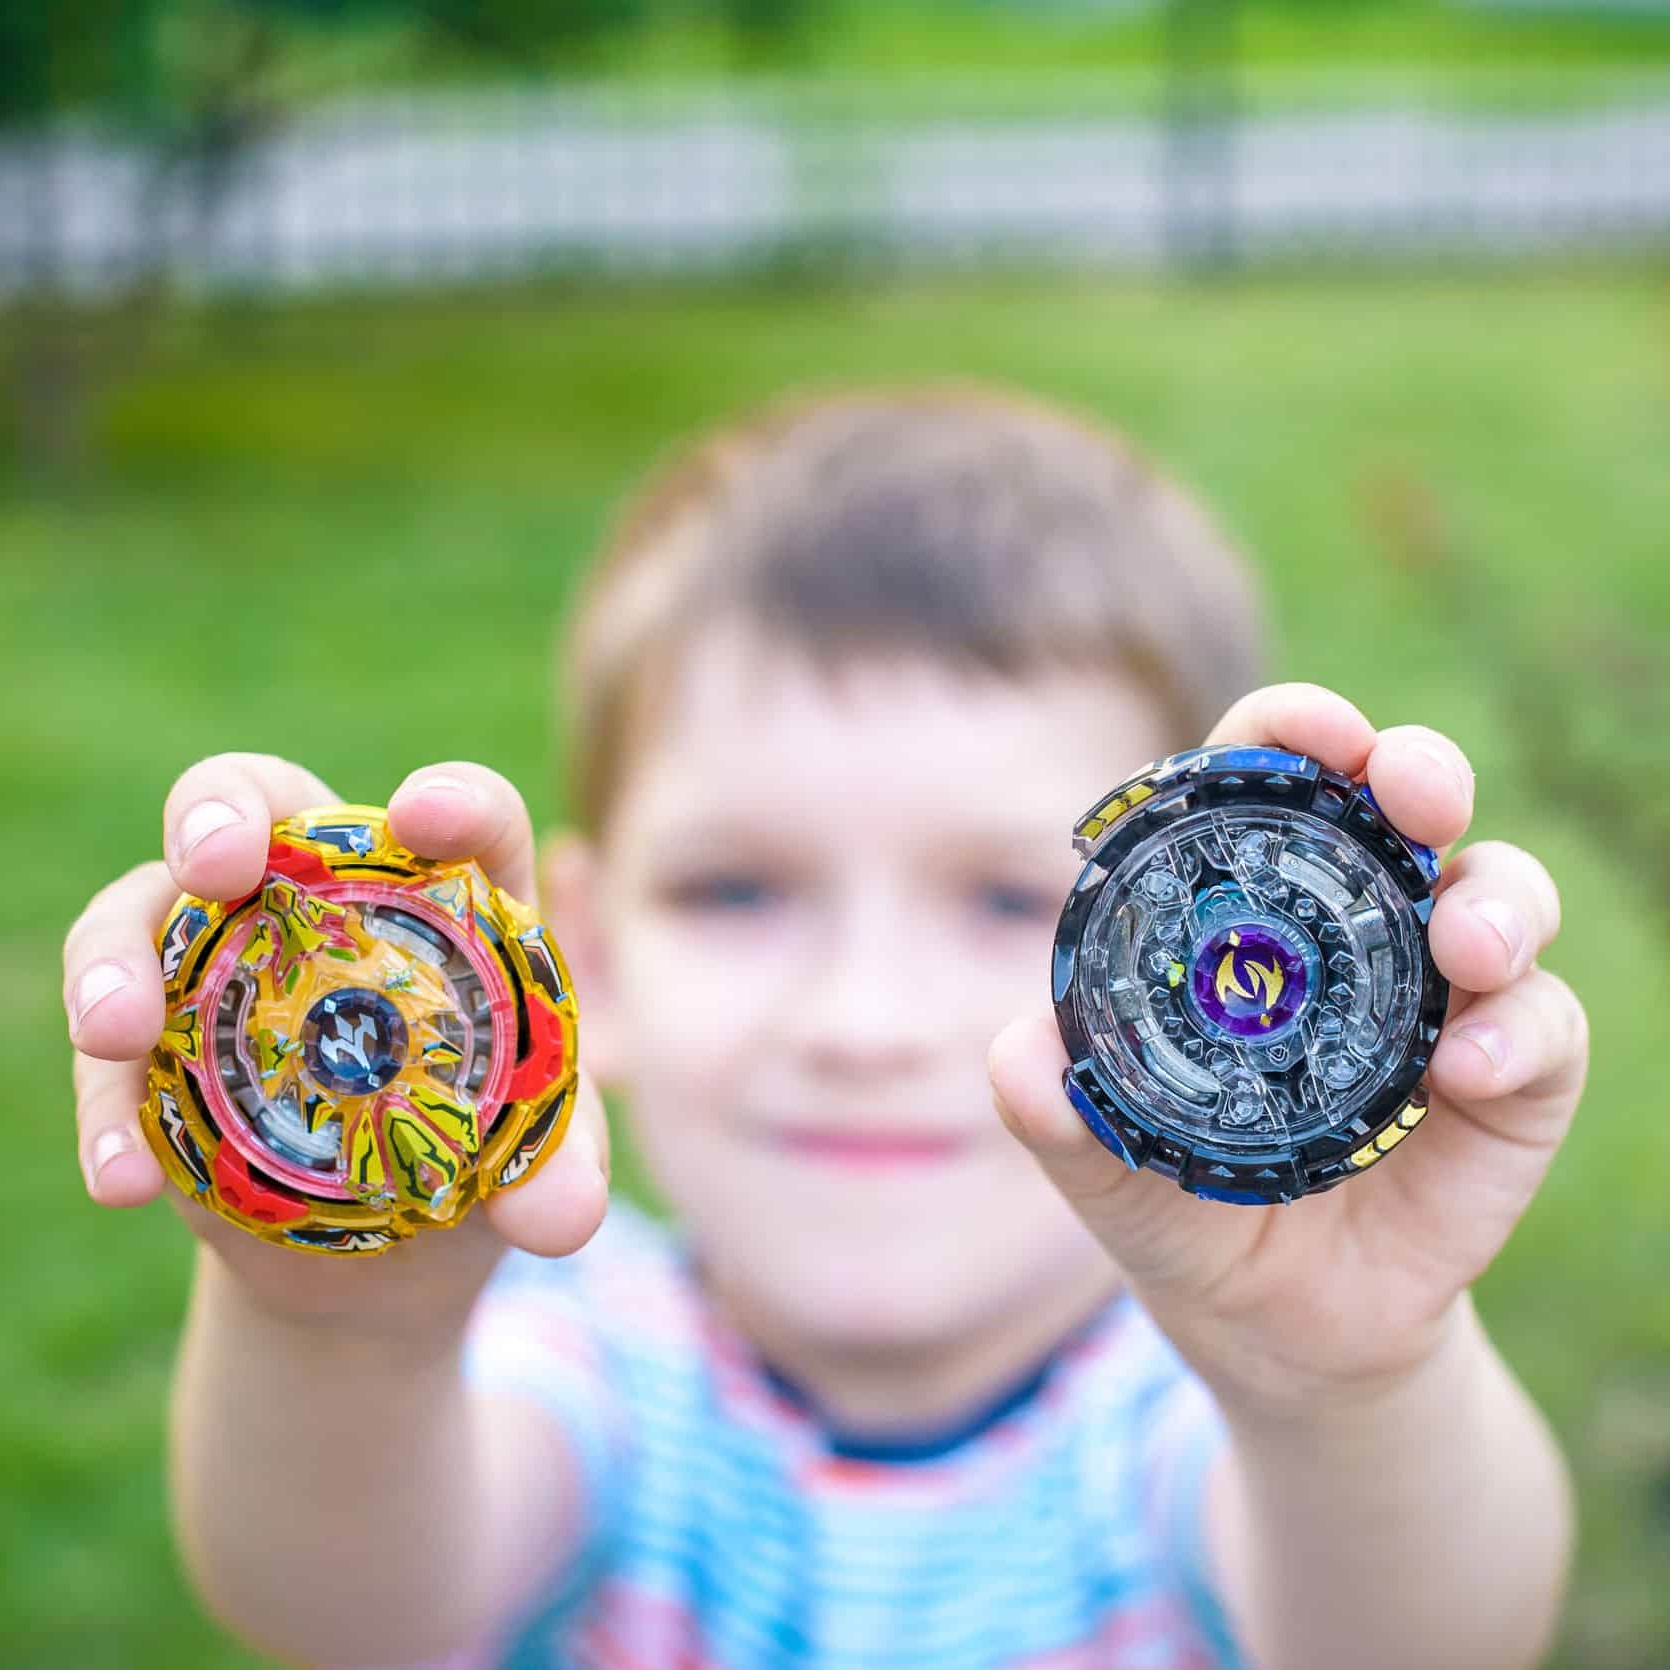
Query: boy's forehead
{"type": "Point", "coordinates": [742, 724]}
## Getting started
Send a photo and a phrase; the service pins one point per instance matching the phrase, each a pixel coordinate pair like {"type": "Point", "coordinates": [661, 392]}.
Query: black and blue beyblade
{"type": "Point", "coordinates": [1242, 976]}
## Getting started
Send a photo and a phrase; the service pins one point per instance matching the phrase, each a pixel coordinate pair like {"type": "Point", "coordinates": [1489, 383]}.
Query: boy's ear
{"type": "Point", "coordinates": [571, 907]}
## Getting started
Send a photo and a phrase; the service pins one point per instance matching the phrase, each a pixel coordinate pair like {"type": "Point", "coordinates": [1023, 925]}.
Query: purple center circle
{"type": "Point", "coordinates": [1248, 980]}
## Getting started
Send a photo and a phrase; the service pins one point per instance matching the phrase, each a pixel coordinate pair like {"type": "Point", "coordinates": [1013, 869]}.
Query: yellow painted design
{"type": "Point", "coordinates": [455, 1120]}
{"type": "Point", "coordinates": [1408, 1118]}
{"type": "Point", "coordinates": [272, 1049]}
{"type": "Point", "coordinates": [260, 946]}
{"type": "Point", "coordinates": [1095, 823]}
{"type": "Point", "coordinates": [1113, 809]}
{"type": "Point", "coordinates": [1174, 974]}
{"type": "Point", "coordinates": [366, 1175]}
{"type": "Point", "coordinates": [184, 1035]}
{"type": "Point", "coordinates": [520, 914]}
{"type": "Point", "coordinates": [1267, 978]}
{"type": "Point", "coordinates": [424, 1168]}
{"type": "Point", "coordinates": [318, 1110]}
{"type": "Point", "coordinates": [305, 922]}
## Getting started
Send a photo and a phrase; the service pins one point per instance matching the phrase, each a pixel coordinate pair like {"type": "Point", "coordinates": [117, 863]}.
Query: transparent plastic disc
{"type": "Point", "coordinates": [1243, 974]}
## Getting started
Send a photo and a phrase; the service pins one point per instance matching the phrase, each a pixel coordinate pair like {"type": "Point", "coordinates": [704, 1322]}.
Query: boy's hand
{"type": "Point", "coordinates": [1286, 1308]}
{"type": "Point", "coordinates": [215, 828]}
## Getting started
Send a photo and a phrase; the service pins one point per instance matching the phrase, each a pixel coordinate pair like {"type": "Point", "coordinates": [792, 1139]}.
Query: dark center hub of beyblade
{"type": "Point", "coordinates": [354, 1041]}
{"type": "Point", "coordinates": [1248, 980]}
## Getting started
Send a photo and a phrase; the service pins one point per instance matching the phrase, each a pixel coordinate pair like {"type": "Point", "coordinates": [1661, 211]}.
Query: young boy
{"type": "Point", "coordinates": [899, 1389]}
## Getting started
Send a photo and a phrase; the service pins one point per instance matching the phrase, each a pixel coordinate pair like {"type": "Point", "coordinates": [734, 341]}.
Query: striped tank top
{"type": "Point", "coordinates": [729, 1528]}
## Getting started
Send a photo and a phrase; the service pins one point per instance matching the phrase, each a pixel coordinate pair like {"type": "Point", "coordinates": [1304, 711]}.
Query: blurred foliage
{"type": "Point", "coordinates": [113, 54]}
{"type": "Point", "coordinates": [520, 29]}
{"type": "Point", "coordinates": [200, 82]}
{"type": "Point", "coordinates": [56, 55]}
{"type": "Point", "coordinates": [342, 532]}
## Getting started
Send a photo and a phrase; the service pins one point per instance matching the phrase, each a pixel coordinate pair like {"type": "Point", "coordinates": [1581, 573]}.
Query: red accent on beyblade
{"type": "Point", "coordinates": [238, 1189]}
{"type": "Point", "coordinates": [300, 865]}
{"type": "Point", "coordinates": [542, 1065]}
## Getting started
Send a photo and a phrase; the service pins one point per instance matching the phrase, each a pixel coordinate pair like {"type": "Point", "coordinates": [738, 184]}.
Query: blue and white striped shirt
{"type": "Point", "coordinates": [729, 1529]}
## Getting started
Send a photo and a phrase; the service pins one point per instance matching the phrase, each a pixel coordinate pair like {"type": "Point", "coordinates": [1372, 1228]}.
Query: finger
{"type": "Point", "coordinates": [118, 1167]}
{"type": "Point", "coordinates": [1305, 718]}
{"type": "Point", "coordinates": [1151, 1227]}
{"type": "Point", "coordinates": [1025, 1065]}
{"type": "Point", "coordinates": [1528, 1044]}
{"type": "Point", "coordinates": [112, 980]}
{"type": "Point", "coordinates": [1497, 909]}
{"type": "Point", "coordinates": [558, 1209]}
{"type": "Point", "coordinates": [1423, 783]}
{"type": "Point", "coordinates": [460, 810]}
{"type": "Point", "coordinates": [218, 819]}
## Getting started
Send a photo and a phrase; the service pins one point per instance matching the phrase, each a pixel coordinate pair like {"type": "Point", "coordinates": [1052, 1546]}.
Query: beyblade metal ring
{"type": "Point", "coordinates": [1242, 976]}
{"type": "Point", "coordinates": [363, 1046]}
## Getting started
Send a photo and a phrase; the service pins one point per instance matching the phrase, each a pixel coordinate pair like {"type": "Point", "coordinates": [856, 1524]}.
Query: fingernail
{"type": "Point", "coordinates": [200, 822]}
{"type": "Point", "coordinates": [1458, 771]}
{"type": "Point", "coordinates": [106, 1146]}
{"type": "Point", "coordinates": [587, 1145]}
{"type": "Point", "coordinates": [97, 982]}
{"type": "Point", "coordinates": [442, 784]}
{"type": "Point", "coordinates": [1490, 1040]}
{"type": "Point", "coordinates": [1507, 925]}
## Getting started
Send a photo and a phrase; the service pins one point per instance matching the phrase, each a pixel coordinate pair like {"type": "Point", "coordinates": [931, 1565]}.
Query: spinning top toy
{"type": "Point", "coordinates": [1242, 978]}
{"type": "Point", "coordinates": [363, 1046]}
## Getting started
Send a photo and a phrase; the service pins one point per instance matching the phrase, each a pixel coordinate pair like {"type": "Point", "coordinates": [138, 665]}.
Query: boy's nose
{"type": "Point", "coordinates": [865, 1006]}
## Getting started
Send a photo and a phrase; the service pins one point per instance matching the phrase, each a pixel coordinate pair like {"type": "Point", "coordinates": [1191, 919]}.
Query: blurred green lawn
{"type": "Point", "coordinates": [1428, 47]}
{"type": "Point", "coordinates": [342, 531]}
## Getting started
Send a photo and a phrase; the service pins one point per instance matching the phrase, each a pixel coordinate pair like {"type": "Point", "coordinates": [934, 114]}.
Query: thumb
{"type": "Point", "coordinates": [1154, 1231]}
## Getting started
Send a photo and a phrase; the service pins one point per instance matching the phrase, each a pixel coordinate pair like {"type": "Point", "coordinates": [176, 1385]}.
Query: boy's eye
{"type": "Point", "coordinates": [1012, 902]}
{"type": "Point", "coordinates": [723, 892]}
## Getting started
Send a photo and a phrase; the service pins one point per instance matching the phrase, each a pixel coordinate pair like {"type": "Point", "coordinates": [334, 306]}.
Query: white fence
{"type": "Point", "coordinates": [411, 190]}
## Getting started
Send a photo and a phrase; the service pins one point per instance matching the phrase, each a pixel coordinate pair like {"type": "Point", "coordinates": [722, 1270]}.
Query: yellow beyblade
{"type": "Point", "coordinates": [363, 1046]}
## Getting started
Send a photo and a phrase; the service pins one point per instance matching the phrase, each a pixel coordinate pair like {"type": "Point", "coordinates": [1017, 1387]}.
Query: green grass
{"type": "Point", "coordinates": [880, 57]}
{"type": "Point", "coordinates": [342, 532]}
{"type": "Point", "coordinates": [883, 37]}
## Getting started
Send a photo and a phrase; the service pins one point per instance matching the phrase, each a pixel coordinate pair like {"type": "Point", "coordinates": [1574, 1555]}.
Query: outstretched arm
{"type": "Point", "coordinates": [1389, 1496]}
{"type": "Point", "coordinates": [1427, 1521]}
{"type": "Point", "coordinates": [342, 1494]}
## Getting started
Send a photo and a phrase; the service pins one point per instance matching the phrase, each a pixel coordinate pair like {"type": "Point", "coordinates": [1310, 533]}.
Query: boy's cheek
{"type": "Point", "coordinates": [691, 1025]}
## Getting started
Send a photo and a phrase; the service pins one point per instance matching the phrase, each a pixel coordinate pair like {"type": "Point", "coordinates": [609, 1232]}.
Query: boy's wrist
{"type": "Point", "coordinates": [316, 1309]}
{"type": "Point", "coordinates": [1443, 1474]}
{"type": "Point", "coordinates": [1269, 1402]}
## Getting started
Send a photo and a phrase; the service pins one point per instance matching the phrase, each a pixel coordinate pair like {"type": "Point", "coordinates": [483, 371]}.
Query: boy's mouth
{"type": "Point", "coordinates": [850, 1146]}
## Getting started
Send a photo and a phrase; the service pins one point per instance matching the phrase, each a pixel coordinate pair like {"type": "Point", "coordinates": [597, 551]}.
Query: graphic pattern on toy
{"type": "Point", "coordinates": [361, 1047]}
{"type": "Point", "coordinates": [1242, 976]}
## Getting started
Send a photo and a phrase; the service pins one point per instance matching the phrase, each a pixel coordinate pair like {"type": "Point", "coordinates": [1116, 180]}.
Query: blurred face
{"type": "Point", "coordinates": [818, 900]}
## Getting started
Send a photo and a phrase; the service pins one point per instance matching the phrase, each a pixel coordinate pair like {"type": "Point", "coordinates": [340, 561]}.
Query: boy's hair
{"type": "Point", "coordinates": [974, 527]}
